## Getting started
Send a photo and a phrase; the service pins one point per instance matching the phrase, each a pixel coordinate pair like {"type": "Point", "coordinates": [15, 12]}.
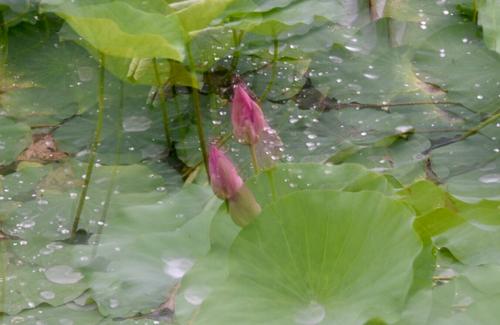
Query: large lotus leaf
{"type": "Point", "coordinates": [285, 179]}
{"type": "Point", "coordinates": [48, 80]}
{"type": "Point", "coordinates": [304, 261]}
{"type": "Point", "coordinates": [14, 138]}
{"type": "Point", "coordinates": [148, 249]}
{"type": "Point", "coordinates": [120, 29]}
{"type": "Point", "coordinates": [489, 13]}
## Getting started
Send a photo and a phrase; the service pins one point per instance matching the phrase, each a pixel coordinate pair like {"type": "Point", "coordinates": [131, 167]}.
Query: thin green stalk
{"type": "Point", "coordinates": [468, 133]}
{"type": "Point", "coordinates": [112, 182]}
{"type": "Point", "coordinates": [255, 163]}
{"type": "Point", "coordinates": [481, 125]}
{"type": "Point", "coordinates": [475, 12]}
{"type": "Point", "coordinates": [3, 274]}
{"type": "Point", "coordinates": [93, 147]}
{"type": "Point", "coordinates": [4, 41]}
{"type": "Point", "coordinates": [274, 71]}
{"type": "Point", "coordinates": [237, 37]}
{"type": "Point", "coordinates": [163, 105]}
{"type": "Point", "coordinates": [197, 110]}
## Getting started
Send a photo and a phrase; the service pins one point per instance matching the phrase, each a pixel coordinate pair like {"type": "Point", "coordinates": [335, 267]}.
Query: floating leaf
{"type": "Point", "coordinates": [304, 261]}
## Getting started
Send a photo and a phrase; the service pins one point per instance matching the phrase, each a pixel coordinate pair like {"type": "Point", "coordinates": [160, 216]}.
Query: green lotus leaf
{"type": "Point", "coordinates": [319, 256]}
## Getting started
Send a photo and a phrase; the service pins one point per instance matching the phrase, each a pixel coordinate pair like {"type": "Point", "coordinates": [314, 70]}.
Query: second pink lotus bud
{"type": "Point", "coordinates": [228, 185]}
{"type": "Point", "coordinates": [223, 175]}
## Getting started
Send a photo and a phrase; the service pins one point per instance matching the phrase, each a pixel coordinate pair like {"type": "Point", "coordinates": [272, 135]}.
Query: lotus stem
{"type": "Point", "coordinates": [255, 163]}
{"type": "Point", "coordinates": [237, 37]}
{"type": "Point", "coordinates": [274, 71]}
{"type": "Point", "coordinates": [3, 272]}
{"type": "Point", "coordinates": [111, 186]}
{"type": "Point", "coordinates": [4, 41]}
{"type": "Point", "coordinates": [197, 110]}
{"type": "Point", "coordinates": [93, 147]}
{"type": "Point", "coordinates": [481, 125]}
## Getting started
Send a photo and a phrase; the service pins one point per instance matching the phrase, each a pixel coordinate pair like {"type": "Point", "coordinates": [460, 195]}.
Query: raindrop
{"type": "Point", "coordinates": [47, 295]}
{"type": "Point", "coordinates": [490, 178]}
{"type": "Point", "coordinates": [113, 303]}
{"type": "Point", "coordinates": [311, 146]}
{"type": "Point", "coordinates": [16, 320]}
{"type": "Point", "coordinates": [311, 315]}
{"type": "Point", "coordinates": [335, 59]}
{"type": "Point", "coordinates": [176, 268]}
{"type": "Point", "coordinates": [479, 97]}
{"type": "Point", "coordinates": [63, 274]}
{"type": "Point", "coordinates": [352, 48]}
{"type": "Point", "coordinates": [404, 128]}
{"type": "Point", "coordinates": [370, 76]}
{"type": "Point", "coordinates": [27, 224]}
{"type": "Point", "coordinates": [196, 295]}
{"type": "Point", "coordinates": [136, 124]}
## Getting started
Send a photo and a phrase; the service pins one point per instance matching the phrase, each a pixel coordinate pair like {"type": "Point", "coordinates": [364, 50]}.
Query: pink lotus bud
{"type": "Point", "coordinates": [246, 116]}
{"type": "Point", "coordinates": [228, 185]}
{"type": "Point", "coordinates": [223, 175]}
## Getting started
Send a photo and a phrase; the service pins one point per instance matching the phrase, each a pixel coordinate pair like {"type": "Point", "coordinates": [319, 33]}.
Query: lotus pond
{"type": "Point", "coordinates": [250, 162]}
